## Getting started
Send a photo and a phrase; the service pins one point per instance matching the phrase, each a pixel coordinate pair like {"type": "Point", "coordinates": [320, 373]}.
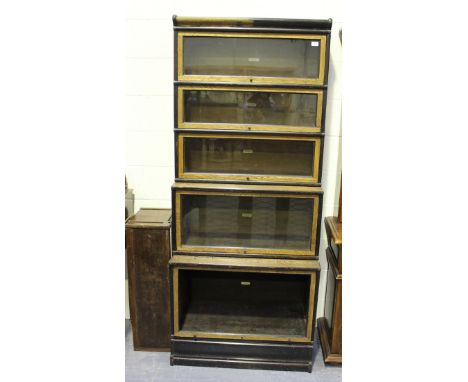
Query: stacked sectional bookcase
{"type": "Point", "coordinates": [250, 99]}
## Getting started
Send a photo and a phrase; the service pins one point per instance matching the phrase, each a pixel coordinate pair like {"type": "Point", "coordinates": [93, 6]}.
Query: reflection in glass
{"type": "Point", "coordinates": [241, 107]}
{"type": "Point", "coordinates": [249, 156]}
{"type": "Point", "coordinates": [245, 221]}
{"type": "Point", "coordinates": [257, 57]}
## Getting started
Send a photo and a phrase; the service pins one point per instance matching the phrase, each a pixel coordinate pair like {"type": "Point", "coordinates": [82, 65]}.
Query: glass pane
{"type": "Point", "coordinates": [245, 221]}
{"type": "Point", "coordinates": [240, 107]}
{"type": "Point", "coordinates": [257, 57]}
{"type": "Point", "coordinates": [248, 156]}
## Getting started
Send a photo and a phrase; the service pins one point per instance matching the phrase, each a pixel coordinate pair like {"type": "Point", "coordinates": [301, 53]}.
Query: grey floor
{"type": "Point", "coordinates": [154, 367]}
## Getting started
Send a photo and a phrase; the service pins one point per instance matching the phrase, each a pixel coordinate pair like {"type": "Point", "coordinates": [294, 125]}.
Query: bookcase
{"type": "Point", "coordinates": [250, 100]}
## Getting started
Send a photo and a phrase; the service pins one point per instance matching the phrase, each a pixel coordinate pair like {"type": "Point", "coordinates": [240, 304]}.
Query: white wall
{"type": "Point", "coordinates": [149, 89]}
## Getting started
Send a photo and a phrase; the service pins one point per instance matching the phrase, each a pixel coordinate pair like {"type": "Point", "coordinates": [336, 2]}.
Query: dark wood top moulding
{"type": "Point", "coordinates": [247, 22]}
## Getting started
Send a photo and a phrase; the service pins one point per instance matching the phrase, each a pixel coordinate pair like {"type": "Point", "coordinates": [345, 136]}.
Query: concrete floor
{"type": "Point", "coordinates": [154, 367]}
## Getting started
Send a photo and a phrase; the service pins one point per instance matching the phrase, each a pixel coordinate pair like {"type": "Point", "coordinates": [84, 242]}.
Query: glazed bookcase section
{"type": "Point", "coordinates": [237, 299]}
{"type": "Point", "coordinates": [250, 108]}
{"type": "Point", "coordinates": [246, 219]}
{"type": "Point", "coordinates": [248, 157]}
{"type": "Point", "coordinates": [282, 58]}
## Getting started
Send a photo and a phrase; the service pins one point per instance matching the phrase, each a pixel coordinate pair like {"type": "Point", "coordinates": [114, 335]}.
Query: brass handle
{"type": "Point", "coordinates": [247, 215]}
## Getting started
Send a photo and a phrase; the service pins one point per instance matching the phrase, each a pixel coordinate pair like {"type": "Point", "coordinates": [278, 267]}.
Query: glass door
{"type": "Point", "coordinates": [251, 57]}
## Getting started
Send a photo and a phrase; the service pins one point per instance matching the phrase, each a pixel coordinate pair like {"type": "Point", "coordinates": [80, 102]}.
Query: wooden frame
{"type": "Point", "coordinates": [302, 267]}
{"type": "Point", "coordinates": [314, 179]}
{"type": "Point", "coordinates": [249, 127]}
{"type": "Point", "coordinates": [330, 337]}
{"type": "Point", "coordinates": [313, 193]}
{"type": "Point", "coordinates": [252, 79]}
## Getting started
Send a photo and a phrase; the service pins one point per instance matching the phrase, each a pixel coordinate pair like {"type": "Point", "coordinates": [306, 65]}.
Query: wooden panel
{"type": "Point", "coordinates": [274, 265]}
{"type": "Point", "coordinates": [246, 187]}
{"type": "Point", "coordinates": [148, 254]}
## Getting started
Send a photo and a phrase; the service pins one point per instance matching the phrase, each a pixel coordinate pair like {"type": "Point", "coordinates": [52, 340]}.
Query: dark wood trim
{"type": "Point", "coordinates": [327, 58]}
{"type": "Point", "coordinates": [236, 188]}
{"type": "Point", "coordinates": [332, 264]}
{"type": "Point", "coordinates": [242, 354]}
{"type": "Point", "coordinates": [340, 207]}
{"type": "Point", "coordinates": [314, 314]}
{"type": "Point", "coordinates": [337, 319]}
{"type": "Point", "coordinates": [317, 184]}
{"type": "Point", "coordinates": [173, 225]}
{"type": "Point", "coordinates": [258, 132]}
{"type": "Point", "coordinates": [131, 288]}
{"type": "Point", "coordinates": [251, 30]}
{"type": "Point", "coordinates": [288, 24]}
{"type": "Point", "coordinates": [324, 109]}
{"type": "Point", "coordinates": [322, 147]}
{"type": "Point", "coordinates": [241, 364]}
{"type": "Point", "coordinates": [176, 57]}
{"type": "Point", "coordinates": [252, 85]}
{"type": "Point", "coordinates": [319, 225]}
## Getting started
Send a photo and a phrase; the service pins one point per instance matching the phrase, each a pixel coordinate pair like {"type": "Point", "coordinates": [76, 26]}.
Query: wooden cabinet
{"type": "Point", "coordinates": [250, 101]}
{"type": "Point", "coordinates": [244, 300]}
{"type": "Point", "coordinates": [330, 325]}
{"type": "Point", "coordinates": [148, 254]}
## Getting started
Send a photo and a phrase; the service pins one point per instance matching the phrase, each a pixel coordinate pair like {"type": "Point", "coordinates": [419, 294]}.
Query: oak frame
{"type": "Point", "coordinates": [182, 174]}
{"type": "Point", "coordinates": [251, 79]}
{"type": "Point", "coordinates": [181, 123]}
{"type": "Point", "coordinates": [311, 251]}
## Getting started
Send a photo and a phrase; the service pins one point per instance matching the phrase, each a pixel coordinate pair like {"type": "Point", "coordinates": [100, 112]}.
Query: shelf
{"type": "Point", "coordinates": [243, 305]}
{"type": "Point", "coordinates": [212, 316]}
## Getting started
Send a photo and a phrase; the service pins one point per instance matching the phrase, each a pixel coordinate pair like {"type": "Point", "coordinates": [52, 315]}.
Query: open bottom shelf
{"type": "Point", "coordinates": [286, 319]}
